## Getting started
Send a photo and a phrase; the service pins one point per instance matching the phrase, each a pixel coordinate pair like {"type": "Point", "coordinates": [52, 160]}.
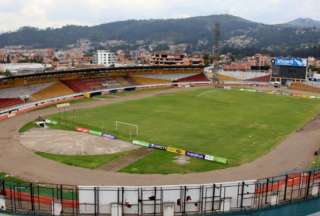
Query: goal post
{"type": "Point", "coordinates": [130, 129]}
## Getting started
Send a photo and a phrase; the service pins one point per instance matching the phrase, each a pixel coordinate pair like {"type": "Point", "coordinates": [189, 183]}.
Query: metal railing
{"type": "Point", "coordinates": [216, 198]}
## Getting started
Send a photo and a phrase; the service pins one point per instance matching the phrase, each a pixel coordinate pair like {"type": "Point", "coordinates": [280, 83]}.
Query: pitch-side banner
{"type": "Point", "coordinates": [175, 150]}
{"type": "Point", "coordinates": [292, 62]}
{"type": "Point", "coordinates": [195, 155]}
{"type": "Point", "coordinates": [83, 130]}
{"type": "Point", "coordinates": [159, 147]}
{"type": "Point", "coordinates": [141, 143]}
{"type": "Point", "coordinates": [108, 136]}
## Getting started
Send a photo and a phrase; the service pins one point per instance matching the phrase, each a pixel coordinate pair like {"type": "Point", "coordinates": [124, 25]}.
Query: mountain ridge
{"type": "Point", "coordinates": [304, 23]}
{"type": "Point", "coordinates": [238, 35]}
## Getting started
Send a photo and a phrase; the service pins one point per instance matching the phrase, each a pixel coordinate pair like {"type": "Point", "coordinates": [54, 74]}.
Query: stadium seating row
{"type": "Point", "coordinates": [245, 76]}
{"type": "Point", "coordinates": [22, 91]}
{"type": "Point", "coordinates": [169, 77]}
{"type": "Point", "coordinates": [8, 102]}
{"type": "Point", "coordinates": [67, 87]}
{"type": "Point", "coordinates": [79, 85]}
{"type": "Point", "coordinates": [265, 78]}
{"type": "Point", "coordinates": [194, 78]}
{"type": "Point", "coordinates": [55, 90]}
{"type": "Point", "coordinates": [304, 87]}
{"type": "Point", "coordinates": [141, 80]}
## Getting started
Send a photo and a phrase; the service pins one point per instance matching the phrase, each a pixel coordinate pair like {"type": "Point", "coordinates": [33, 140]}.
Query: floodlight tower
{"type": "Point", "coordinates": [216, 41]}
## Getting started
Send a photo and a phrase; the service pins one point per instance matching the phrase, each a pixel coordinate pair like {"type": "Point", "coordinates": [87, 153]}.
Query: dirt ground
{"type": "Point", "coordinates": [126, 161]}
{"type": "Point", "coordinates": [71, 143]}
{"type": "Point", "coordinates": [296, 152]}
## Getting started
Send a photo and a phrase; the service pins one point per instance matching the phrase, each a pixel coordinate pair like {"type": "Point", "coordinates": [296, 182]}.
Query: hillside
{"type": "Point", "coordinates": [304, 23]}
{"type": "Point", "coordinates": [238, 35]}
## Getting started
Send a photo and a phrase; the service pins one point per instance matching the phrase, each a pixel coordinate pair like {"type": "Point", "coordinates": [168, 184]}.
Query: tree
{"type": "Point", "coordinates": [207, 59]}
{"type": "Point", "coordinates": [8, 73]}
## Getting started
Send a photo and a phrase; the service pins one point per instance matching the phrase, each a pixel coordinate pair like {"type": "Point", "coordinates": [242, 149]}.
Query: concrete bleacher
{"type": "Point", "coordinates": [124, 81]}
{"type": "Point", "coordinates": [23, 91]}
{"type": "Point", "coordinates": [141, 80]}
{"type": "Point", "coordinates": [168, 77]}
{"type": "Point", "coordinates": [83, 85]}
{"type": "Point", "coordinates": [194, 78]}
{"type": "Point", "coordinates": [95, 84]}
{"type": "Point", "coordinates": [222, 77]}
{"type": "Point", "coordinates": [241, 75]}
{"type": "Point", "coordinates": [265, 78]}
{"type": "Point", "coordinates": [55, 90]}
{"type": "Point", "coordinates": [8, 102]}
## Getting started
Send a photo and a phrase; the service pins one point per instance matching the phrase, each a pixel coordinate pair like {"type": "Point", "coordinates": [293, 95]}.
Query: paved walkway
{"type": "Point", "coordinates": [296, 152]}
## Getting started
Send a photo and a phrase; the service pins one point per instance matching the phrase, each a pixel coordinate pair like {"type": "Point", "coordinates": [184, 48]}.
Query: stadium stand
{"type": "Point", "coordinates": [54, 90]}
{"type": "Point", "coordinates": [83, 85]}
{"type": "Point", "coordinates": [25, 91]}
{"type": "Point", "coordinates": [194, 78]}
{"type": "Point", "coordinates": [124, 81]}
{"type": "Point", "coordinates": [265, 78]}
{"type": "Point", "coordinates": [169, 77]}
{"type": "Point", "coordinates": [141, 80]}
{"type": "Point", "coordinates": [79, 85]}
{"type": "Point", "coordinates": [241, 75]}
{"type": "Point", "coordinates": [304, 87]}
{"type": "Point", "coordinates": [226, 78]}
{"type": "Point", "coordinates": [8, 102]}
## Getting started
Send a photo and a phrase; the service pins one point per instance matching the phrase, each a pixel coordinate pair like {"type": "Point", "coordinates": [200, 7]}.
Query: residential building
{"type": "Point", "coordinates": [104, 57]}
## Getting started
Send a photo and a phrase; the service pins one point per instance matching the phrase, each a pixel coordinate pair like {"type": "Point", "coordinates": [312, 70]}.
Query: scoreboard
{"type": "Point", "coordinates": [285, 69]}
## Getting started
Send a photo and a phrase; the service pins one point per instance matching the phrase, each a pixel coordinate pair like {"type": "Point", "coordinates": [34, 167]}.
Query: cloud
{"type": "Point", "coordinates": [55, 13]}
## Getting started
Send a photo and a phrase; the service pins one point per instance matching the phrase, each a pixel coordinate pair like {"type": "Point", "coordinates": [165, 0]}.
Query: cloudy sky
{"type": "Point", "coordinates": [55, 13]}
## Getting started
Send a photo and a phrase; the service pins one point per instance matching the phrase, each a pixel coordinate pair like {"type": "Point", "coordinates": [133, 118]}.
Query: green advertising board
{"type": "Point", "coordinates": [96, 133]}
{"type": "Point", "coordinates": [141, 143]}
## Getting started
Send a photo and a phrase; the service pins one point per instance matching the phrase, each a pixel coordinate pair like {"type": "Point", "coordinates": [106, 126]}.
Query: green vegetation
{"type": "Point", "coordinates": [27, 126]}
{"type": "Point", "coordinates": [10, 178]}
{"type": "Point", "coordinates": [240, 126]}
{"type": "Point", "coordinates": [316, 163]}
{"type": "Point", "coordinates": [85, 161]}
{"type": "Point", "coordinates": [20, 185]}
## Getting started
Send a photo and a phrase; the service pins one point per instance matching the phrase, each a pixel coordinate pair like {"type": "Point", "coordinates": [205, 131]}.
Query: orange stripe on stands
{"type": "Point", "coordinates": [23, 196]}
{"type": "Point", "coordinates": [291, 182]}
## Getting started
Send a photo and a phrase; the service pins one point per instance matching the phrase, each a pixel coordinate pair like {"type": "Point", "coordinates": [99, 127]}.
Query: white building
{"type": "Point", "coordinates": [104, 57]}
{"type": "Point", "coordinates": [23, 68]}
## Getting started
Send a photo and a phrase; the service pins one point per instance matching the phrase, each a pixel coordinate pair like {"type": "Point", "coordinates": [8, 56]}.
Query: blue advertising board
{"type": "Point", "coordinates": [108, 136]}
{"type": "Point", "coordinates": [195, 155]}
{"type": "Point", "coordinates": [291, 62]}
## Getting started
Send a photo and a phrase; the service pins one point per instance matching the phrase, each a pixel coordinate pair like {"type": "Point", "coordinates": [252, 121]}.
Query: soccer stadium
{"type": "Point", "coordinates": [158, 140]}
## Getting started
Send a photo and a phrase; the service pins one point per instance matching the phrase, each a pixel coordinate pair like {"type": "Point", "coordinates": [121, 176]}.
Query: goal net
{"type": "Point", "coordinates": [127, 129]}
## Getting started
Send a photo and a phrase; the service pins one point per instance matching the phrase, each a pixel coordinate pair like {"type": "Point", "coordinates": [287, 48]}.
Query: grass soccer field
{"type": "Point", "coordinates": [240, 126]}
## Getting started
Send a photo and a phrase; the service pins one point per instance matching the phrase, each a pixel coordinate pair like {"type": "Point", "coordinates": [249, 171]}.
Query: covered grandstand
{"type": "Point", "coordinates": [93, 73]}
{"type": "Point", "coordinates": [55, 90]}
{"type": "Point", "coordinates": [23, 91]}
{"type": "Point", "coordinates": [60, 83]}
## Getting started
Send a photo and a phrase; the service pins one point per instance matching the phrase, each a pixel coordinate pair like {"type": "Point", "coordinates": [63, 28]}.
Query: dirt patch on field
{"type": "Point", "coordinates": [71, 143]}
{"type": "Point", "coordinates": [182, 160]}
{"type": "Point", "coordinates": [127, 160]}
